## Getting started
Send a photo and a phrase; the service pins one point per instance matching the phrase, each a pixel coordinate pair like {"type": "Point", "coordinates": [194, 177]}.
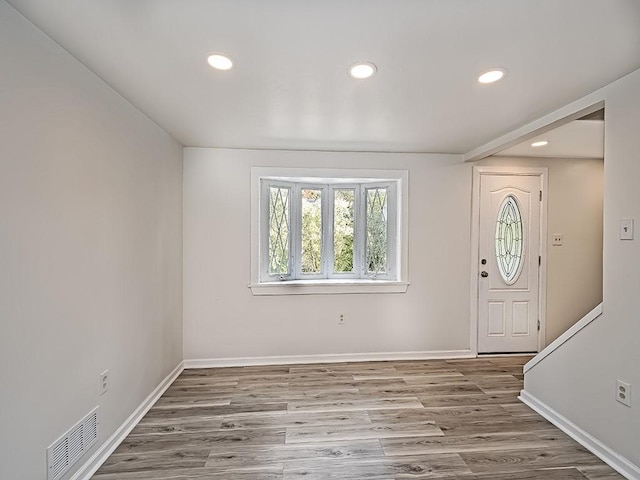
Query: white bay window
{"type": "Point", "coordinates": [328, 231]}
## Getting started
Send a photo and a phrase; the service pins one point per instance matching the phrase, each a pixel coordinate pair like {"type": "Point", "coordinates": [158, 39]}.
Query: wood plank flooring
{"type": "Point", "coordinates": [437, 419]}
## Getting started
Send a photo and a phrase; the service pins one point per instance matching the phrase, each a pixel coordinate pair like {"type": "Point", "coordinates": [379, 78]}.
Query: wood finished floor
{"type": "Point", "coordinates": [437, 419]}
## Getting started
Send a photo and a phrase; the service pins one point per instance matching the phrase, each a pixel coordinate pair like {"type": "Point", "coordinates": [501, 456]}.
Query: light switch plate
{"type": "Point", "coordinates": [626, 229]}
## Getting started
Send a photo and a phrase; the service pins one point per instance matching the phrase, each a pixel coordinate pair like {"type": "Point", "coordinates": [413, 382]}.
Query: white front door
{"type": "Point", "coordinates": [509, 271]}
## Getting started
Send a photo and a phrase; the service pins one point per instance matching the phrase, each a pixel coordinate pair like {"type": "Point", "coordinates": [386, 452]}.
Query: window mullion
{"type": "Point", "coordinates": [264, 230]}
{"type": "Point", "coordinates": [327, 231]}
{"type": "Point", "coordinates": [295, 232]}
{"type": "Point", "coordinates": [361, 231]}
{"type": "Point", "coordinates": [392, 230]}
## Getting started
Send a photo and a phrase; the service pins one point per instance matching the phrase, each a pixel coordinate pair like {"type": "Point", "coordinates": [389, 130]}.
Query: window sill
{"type": "Point", "coordinates": [324, 287]}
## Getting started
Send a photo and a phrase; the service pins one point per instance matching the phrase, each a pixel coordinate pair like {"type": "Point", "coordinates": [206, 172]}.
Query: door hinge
{"type": "Point", "coordinates": [538, 324]}
{"type": "Point", "coordinates": [540, 195]}
{"type": "Point", "coordinates": [539, 260]}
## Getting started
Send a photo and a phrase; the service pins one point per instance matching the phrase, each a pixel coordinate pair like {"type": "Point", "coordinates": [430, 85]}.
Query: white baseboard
{"type": "Point", "coordinates": [324, 358]}
{"type": "Point", "coordinates": [107, 448]}
{"type": "Point", "coordinates": [619, 463]}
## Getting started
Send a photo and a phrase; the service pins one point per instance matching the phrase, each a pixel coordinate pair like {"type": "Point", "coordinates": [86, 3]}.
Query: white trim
{"type": "Point", "coordinates": [616, 461]}
{"type": "Point", "coordinates": [503, 355]}
{"type": "Point", "coordinates": [327, 287]}
{"type": "Point", "coordinates": [324, 358]}
{"type": "Point", "coordinates": [107, 448]}
{"type": "Point", "coordinates": [583, 322]}
{"type": "Point", "coordinates": [542, 287]}
{"type": "Point", "coordinates": [475, 259]}
{"type": "Point", "coordinates": [543, 173]}
{"type": "Point", "coordinates": [337, 176]}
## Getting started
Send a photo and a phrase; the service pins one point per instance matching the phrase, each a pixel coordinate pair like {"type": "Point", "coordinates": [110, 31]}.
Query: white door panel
{"type": "Point", "coordinates": [509, 249]}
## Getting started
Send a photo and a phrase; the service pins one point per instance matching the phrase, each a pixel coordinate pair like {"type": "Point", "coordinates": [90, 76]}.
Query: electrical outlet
{"type": "Point", "coordinates": [104, 382]}
{"type": "Point", "coordinates": [341, 319]}
{"type": "Point", "coordinates": [623, 392]}
{"type": "Point", "coordinates": [557, 240]}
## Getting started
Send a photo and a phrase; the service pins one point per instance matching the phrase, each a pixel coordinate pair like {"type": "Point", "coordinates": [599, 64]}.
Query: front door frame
{"type": "Point", "coordinates": [478, 171]}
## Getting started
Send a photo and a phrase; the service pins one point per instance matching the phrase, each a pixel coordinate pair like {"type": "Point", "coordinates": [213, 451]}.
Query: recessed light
{"type": "Point", "coordinates": [362, 70]}
{"type": "Point", "coordinates": [220, 61]}
{"type": "Point", "coordinates": [540, 143]}
{"type": "Point", "coordinates": [492, 75]}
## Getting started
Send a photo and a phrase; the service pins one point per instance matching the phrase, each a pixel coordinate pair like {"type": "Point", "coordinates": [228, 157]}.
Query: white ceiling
{"type": "Point", "coordinates": [577, 139]}
{"type": "Point", "coordinates": [290, 89]}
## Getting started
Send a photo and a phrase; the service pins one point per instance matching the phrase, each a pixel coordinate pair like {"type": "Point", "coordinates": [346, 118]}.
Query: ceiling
{"type": "Point", "coordinates": [289, 88]}
{"type": "Point", "coordinates": [577, 139]}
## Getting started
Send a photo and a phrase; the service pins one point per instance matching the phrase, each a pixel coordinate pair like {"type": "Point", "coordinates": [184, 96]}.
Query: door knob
{"type": "Point", "coordinates": [484, 274]}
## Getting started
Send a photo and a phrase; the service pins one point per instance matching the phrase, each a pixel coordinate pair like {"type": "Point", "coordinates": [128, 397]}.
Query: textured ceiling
{"type": "Point", "coordinates": [289, 88]}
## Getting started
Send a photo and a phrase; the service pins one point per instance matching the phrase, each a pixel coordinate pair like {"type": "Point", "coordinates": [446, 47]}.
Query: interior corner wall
{"type": "Point", "coordinates": [578, 380]}
{"type": "Point", "coordinates": [224, 320]}
{"type": "Point", "coordinates": [90, 249]}
{"type": "Point", "coordinates": [574, 270]}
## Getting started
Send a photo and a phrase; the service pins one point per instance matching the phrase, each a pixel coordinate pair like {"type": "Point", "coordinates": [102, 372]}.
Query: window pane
{"type": "Point", "coordinates": [343, 229]}
{"type": "Point", "coordinates": [311, 231]}
{"type": "Point", "coordinates": [279, 198]}
{"type": "Point", "coordinates": [376, 230]}
{"type": "Point", "coordinates": [509, 240]}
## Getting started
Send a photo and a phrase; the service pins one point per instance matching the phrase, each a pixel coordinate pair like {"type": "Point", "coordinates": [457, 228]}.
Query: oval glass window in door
{"type": "Point", "coordinates": [509, 241]}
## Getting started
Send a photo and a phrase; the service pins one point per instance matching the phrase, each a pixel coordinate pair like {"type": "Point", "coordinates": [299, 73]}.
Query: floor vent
{"type": "Point", "coordinates": [67, 450]}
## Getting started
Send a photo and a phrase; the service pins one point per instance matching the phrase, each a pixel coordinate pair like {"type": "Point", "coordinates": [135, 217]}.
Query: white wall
{"type": "Point", "coordinates": [578, 380]}
{"type": "Point", "coordinates": [224, 320]}
{"type": "Point", "coordinates": [90, 249]}
{"type": "Point", "coordinates": [574, 270]}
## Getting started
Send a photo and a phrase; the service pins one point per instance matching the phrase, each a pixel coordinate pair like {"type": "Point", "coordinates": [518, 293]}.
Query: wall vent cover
{"type": "Point", "coordinates": [67, 450]}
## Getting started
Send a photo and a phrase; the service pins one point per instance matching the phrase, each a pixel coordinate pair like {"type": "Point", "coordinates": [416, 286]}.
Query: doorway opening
{"type": "Point", "coordinates": [569, 276]}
